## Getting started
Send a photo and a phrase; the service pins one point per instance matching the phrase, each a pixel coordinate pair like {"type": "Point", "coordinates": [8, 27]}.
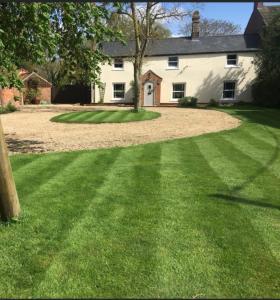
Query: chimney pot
{"type": "Point", "coordinates": [195, 25]}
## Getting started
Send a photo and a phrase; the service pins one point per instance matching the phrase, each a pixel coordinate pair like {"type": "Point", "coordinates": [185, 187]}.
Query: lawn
{"type": "Point", "coordinates": [105, 116]}
{"type": "Point", "coordinates": [193, 217]}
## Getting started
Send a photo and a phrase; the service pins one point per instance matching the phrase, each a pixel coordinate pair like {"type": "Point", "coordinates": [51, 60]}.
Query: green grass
{"type": "Point", "coordinates": [193, 217]}
{"type": "Point", "coordinates": [105, 116]}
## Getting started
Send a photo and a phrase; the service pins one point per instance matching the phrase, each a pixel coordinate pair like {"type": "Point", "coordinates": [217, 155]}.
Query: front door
{"type": "Point", "coordinates": [149, 94]}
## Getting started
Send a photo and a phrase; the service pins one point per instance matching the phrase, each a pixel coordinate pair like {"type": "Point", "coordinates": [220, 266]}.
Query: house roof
{"type": "Point", "coordinates": [25, 75]}
{"type": "Point", "coordinates": [185, 45]}
{"type": "Point", "coordinates": [267, 12]}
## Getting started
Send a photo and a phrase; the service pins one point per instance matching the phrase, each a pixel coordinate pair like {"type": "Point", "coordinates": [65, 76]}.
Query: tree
{"type": "Point", "coordinates": [50, 70]}
{"type": "Point", "coordinates": [144, 17]}
{"type": "Point", "coordinates": [125, 25]}
{"type": "Point", "coordinates": [210, 27]}
{"type": "Point", "coordinates": [41, 32]}
{"type": "Point", "coordinates": [266, 89]}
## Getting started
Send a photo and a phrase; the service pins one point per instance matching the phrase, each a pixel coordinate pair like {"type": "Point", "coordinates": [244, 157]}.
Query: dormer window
{"type": "Point", "coordinates": [118, 63]}
{"type": "Point", "coordinates": [231, 60]}
{"type": "Point", "coordinates": [173, 62]}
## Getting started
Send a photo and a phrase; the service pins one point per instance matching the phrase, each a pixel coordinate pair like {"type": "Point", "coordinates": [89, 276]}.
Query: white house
{"type": "Point", "coordinates": [218, 67]}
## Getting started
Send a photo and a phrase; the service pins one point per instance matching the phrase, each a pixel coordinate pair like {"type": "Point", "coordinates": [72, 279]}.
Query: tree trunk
{"type": "Point", "coordinates": [9, 203]}
{"type": "Point", "coordinates": [136, 87]}
{"type": "Point", "coordinates": [137, 84]}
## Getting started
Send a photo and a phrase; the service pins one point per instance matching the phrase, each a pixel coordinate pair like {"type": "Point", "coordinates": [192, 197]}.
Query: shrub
{"type": "Point", "coordinates": [187, 102]}
{"type": "Point", "coordinates": [3, 110]}
{"type": "Point", "coordinates": [266, 93]}
{"type": "Point", "coordinates": [17, 98]}
{"type": "Point", "coordinates": [241, 103]}
{"type": "Point", "coordinates": [44, 102]}
{"type": "Point", "coordinates": [266, 90]}
{"type": "Point", "coordinates": [213, 103]}
{"type": "Point", "coordinates": [31, 95]}
{"type": "Point", "coordinates": [139, 110]}
{"type": "Point", "coordinates": [10, 107]}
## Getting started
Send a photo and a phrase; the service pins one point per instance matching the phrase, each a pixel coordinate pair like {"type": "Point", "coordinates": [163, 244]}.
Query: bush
{"type": "Point", "coordinates": [213, 103]}
{"type": "Point", "coordinates": [139, 110]}
{"type": "Point", "coordinates": [266, 90]}
{"type": "Point", "coordinates": [3, 110]}
{"type": "Point", "coordinates": [31, 95]}
{"type": "Point", "coordinates": [266, 93]}
{"type": "Point", "coordinates": [8, 108]}
{"type": "Point", "coordinates": [17, 98]}
{"type": "Point", "coordinates": [187, 102]}
{"type": "Point", "coordinates": [44, 102]}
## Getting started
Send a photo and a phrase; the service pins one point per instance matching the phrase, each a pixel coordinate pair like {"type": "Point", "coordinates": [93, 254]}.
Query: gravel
{"type": "Point", "coordinates": [30, 129]}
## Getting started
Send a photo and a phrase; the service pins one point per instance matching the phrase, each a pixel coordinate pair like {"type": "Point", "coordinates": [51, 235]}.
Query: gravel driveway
{"type": "Point", "coordinates": [30, 130]}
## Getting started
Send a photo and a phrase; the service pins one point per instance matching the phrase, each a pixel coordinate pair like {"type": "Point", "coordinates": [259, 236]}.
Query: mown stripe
{"type": "Point", "coordinates": [64, 193]}
{"type": "Point", "coordinates": [258, 265]}
{"type": "Point", "coordinates": [183, 248]}
{"type": "Point", "coordinates": [259, 174]}
{"type": "Point", "coordinates": [263, 134]}
{"type": "Point", "coordinates": [67, 116]}
{"type": "Point", "coordinates": [265, 154]}
{"type": "Point", "coordinates": [94, 115]}
{"type": "Point", "coordinates": [119, 220]}
{"type": "Point", "coordinates": [114, 116]}
{"type": "Point", "coordinates": [99, 117]}
{"type": "Point", "coordinates": [81, 117]}
{"type": "Point", "coordinates": [144, 189]}
{"type": "Point", "coordinates": [20, 161]}
{"type": "Point", "coordinates": [30, 178]}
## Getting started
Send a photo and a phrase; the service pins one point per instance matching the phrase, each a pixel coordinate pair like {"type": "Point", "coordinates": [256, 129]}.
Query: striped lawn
{"type": "Point", "coordinates": [193, 217]}
{"type": "Point", "coordinates": [107, 116]}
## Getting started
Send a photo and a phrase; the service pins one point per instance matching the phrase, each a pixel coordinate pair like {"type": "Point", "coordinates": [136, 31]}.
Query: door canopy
{"type": "Point", "coordinates": [152, 77]}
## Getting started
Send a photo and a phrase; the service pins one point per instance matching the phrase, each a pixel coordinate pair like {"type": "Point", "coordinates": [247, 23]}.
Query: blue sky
{"type": "Point", "coordinates": [236, 12]}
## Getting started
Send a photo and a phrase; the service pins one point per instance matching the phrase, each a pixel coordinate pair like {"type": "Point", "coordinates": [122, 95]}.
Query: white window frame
{"type": "Point", "coordinates": [118, 68]}
{"type": "Point", "coordinates": [117, 99]}
{"type": "Point", "coordinates": [229, 65]}
{"type": "Point", "coordinates": [172, 92]}
{"type": "Point", "coordinates": [172, 67]}
{"type": "Point", "coordinates": [235, 83]}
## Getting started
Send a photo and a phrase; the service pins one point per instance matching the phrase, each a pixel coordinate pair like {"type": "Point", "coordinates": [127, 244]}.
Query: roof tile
{"type": "Point", "coordinates": [185, 45]}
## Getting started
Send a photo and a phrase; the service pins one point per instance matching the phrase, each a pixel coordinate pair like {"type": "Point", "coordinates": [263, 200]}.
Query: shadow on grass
{"type": "Point", "coordinates": [242, 200]}
{"type": "Point", "coordinates": [267, 117]}
{"type": "Point", "coordinates": [254, 114]}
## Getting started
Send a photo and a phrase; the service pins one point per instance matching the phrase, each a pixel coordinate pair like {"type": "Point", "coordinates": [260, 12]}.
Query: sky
{"type": "Point", "coordinates": [236, 12]}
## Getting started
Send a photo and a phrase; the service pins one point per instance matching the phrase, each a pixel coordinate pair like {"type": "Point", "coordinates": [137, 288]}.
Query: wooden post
{"type": "Point", "coordinates": [92, 93]}
{"type": "Point", "coordinates": [9, 203]}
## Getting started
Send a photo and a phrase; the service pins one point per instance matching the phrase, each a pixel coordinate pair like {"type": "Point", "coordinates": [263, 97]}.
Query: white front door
{"type": "Point", "coordinates": [149, 94]}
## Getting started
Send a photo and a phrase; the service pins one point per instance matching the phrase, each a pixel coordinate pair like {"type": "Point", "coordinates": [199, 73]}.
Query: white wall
{"type": "Point", "coordinates": [203, 75]}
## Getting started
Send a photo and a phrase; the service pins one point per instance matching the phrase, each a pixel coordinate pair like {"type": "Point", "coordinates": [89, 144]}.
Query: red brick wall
{"type": "Point", "coordinates": [45, 94]}
{"type": "Point", "coordinates": [7, 95]}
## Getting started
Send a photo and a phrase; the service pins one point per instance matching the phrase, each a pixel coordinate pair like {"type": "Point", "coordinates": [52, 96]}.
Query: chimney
{"type": "Point", "coordinates": [258, 5]}
{"type": "Point", "coordinates": [195, 25]}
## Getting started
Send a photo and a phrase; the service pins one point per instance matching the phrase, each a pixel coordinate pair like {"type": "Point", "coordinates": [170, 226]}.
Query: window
{"type": "Point", "coordinates": [119, 89]}
{"type": "Point", "coordinates": [118, 63]}
{"type": "Point", "coordinates": [229, 90]}
{"type": "Point", "coordinates": [173, 62]}
{"type": "Point", "coordinates": [231, 59]}
{"type": "Point", "coordinates": [178, 90]}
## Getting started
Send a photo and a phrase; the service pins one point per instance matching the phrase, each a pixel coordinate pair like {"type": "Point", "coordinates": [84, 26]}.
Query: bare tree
{"type": "Point", "coordinates": [210, 27]}
{"type": "Point", "coordinates": [144, 18]}
{"type": "Point", "coordinates": [124, 24]}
